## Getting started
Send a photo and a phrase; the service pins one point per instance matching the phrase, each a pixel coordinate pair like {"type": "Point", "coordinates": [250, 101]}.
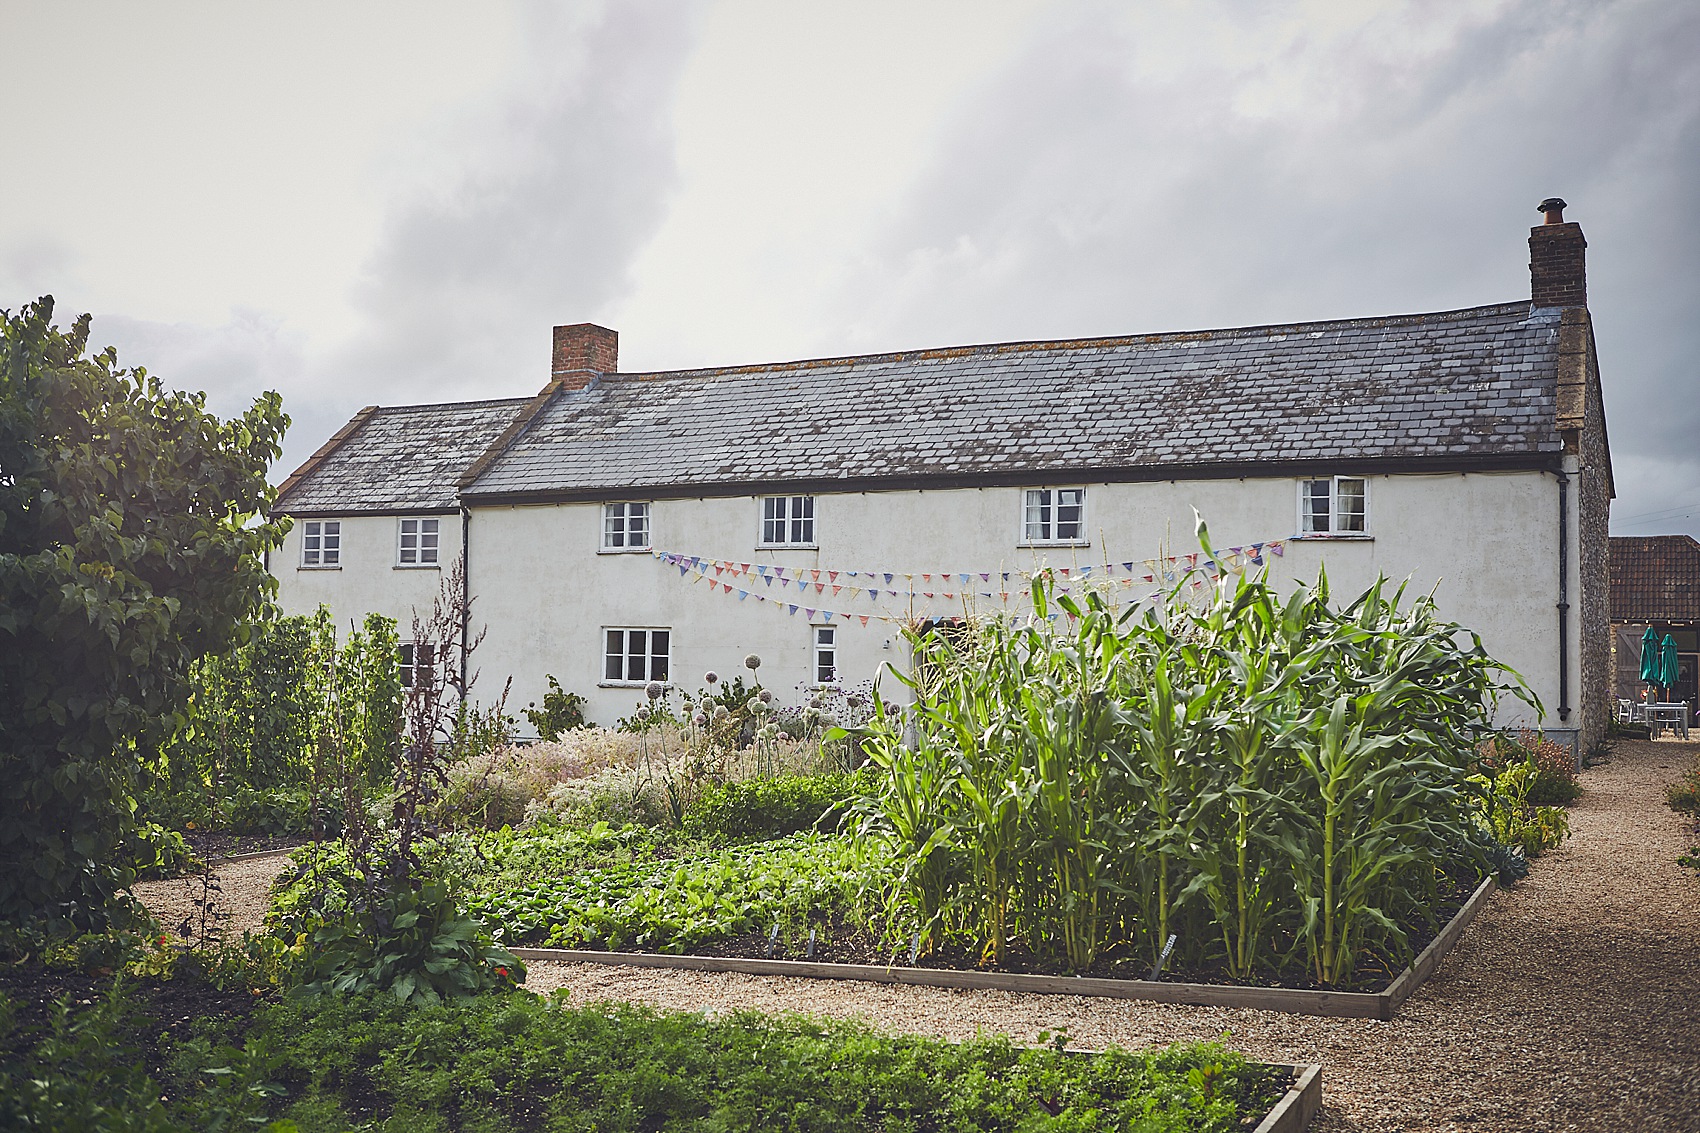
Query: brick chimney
{"type": "Point", "coordinates": [1557, 259]}
{"type": "Point", "coordinates": [583, 351]}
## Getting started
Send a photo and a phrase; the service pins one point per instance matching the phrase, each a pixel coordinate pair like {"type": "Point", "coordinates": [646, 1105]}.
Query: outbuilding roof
{"type": "Point", "coordinates": [1655, 578]}
{"type": "Point", "coordinates": [392, 459]}
{"type": "Point", "coordinates": [1469, 386]}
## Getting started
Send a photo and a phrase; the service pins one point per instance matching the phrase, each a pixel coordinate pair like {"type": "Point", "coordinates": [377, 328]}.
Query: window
{"type": "Point", "coordinates": [321, 543]}
{"type": "Point", "coordinates": [416, 664]}
{"type": "Point", "coordinates": [1054, 515]}
{"type": "Point", "coordinates": [826, 654]}
{"type": "Point", "coordinates": [418, 542]}
{"type": "Point", "coordinates": [1338, 505]}
{"type": "Point", "coordinates": [788, 521]}
{"type": "Point", "coordinates": [625, 527]}
{"type": "Point", "coordinates": [636, 656]}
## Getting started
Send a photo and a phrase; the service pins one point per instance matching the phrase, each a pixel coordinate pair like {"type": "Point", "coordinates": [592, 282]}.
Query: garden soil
{"type": "Point", "coordinates": [1572, 1002]}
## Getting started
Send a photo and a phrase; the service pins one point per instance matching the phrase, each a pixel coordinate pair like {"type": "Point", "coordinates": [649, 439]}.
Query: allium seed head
{"type": "Point", "coordinates": [711, 677]}
{"type": "Point", "coordinates": [752, 662]}
{"type": "Point", "coordinates": [766, 696]}
{"type": "Point", "coordinates": [653, 690]}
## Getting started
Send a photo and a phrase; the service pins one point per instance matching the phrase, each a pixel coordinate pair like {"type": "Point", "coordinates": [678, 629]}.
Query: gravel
{"type": "Point", "coordinates": [238, 904]}
{"type": "Point", "coordinates": [1572, 1002]}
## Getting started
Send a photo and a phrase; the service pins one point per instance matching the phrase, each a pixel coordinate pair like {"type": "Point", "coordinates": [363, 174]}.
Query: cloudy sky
{"type": "Point", "coordinates": [359, 203]}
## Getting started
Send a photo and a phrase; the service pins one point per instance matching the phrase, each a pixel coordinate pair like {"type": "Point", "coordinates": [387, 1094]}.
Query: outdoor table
{"type": "Point", "coordinates": [1675, 716]}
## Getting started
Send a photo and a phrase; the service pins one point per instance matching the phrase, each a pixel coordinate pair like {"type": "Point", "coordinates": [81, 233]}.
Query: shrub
{"type": "Point", "coordinates": [482, 792]}
{"type": "Point", "coordinates": [1684, 794]}
{"type": "Point", "coordinates": [562, 711]}
{"type": "Point", "coordinates": [1556, 782]}
{"type": "Point", "coordinates": [159, 852]}
{"type": "Point", "coordinates": [277, 813]}
{"type": "Point", "coordinates": [784, 804]}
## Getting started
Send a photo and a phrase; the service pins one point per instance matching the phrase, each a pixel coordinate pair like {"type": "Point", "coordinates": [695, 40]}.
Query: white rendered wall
{"type": "Point", "coordinates": [1486, 543]}
{"type": "Point", "coordinates": [369, 579]}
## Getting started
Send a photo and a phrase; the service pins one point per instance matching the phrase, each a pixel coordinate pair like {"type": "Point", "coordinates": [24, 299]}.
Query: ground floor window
{"type": "Point", "coordinates": [636, 656]}
{"type": "Point", "coordinates": [416, 666]}
{"type": "Point", "coordinates": [826, 654]}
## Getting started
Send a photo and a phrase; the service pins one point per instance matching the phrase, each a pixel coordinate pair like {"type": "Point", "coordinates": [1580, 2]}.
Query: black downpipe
{"type": "Point", "coordinates": [465, 593]}
{"type": "Point", "coordinates": [1563, 597]}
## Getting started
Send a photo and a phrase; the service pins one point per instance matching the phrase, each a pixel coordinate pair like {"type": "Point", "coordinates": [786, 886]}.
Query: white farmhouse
{"type": "Point", "coordinates": [619, 528]}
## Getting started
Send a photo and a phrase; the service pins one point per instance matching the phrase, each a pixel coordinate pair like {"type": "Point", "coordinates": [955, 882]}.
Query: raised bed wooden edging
{"type": "Point", "coordinates": [1298, 1106]}
{"type": "Point", "coordinates": [1339, 1004]}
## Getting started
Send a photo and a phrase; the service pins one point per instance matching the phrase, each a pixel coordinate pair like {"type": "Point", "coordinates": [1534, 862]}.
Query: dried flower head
{"type": "Point", "coordinates": [721, 712]}
{"type": "Point", "coordinates": [816, 702]}
{"type": "Point", "coordinates": [654, 689]}
{"type": "Point", "coordinates": [701, 719]}
{"type": "Point", "coordinates": [711, 677]}
{"type": "Point", "coordinates": [752, 662]}
{"type": "Point", "coordinates": [765, 696]}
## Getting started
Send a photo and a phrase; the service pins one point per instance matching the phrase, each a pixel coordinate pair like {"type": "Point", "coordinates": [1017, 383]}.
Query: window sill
{"type": "Point", "coordinates": [1036, 545]}
{"type": "Point", "coordinates": [1333, 537]}
{"type": "Point", "coordinates": [319, 566]}
{"type": "Point", "coordinates": [624, 550]}
{"type": "Point", "coordinates": [639, 685]}
{"type": "Point", "coordinates": [417, 566]}
{"type": "Point", "coordinates": [787, 546]}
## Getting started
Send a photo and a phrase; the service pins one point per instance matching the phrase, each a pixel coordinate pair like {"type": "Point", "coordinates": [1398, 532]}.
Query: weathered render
{"type": "Point", "coordinates": [1479, 436]}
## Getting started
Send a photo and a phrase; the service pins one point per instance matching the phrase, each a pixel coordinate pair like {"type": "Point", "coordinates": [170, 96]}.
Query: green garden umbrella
{"type": "Point", "coordinates": [1650, 667]}
{"type": "Point", "coordinates": [1668, 668]}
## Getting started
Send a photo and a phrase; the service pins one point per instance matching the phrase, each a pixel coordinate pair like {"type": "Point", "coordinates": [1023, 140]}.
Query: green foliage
{"type": "Point", "coordinates": [1684, 794]}
{"type": "Point", "coordinates": [131, 536]}
{"type": "Point", "coordinates": [562, 711]}
{"type": "Point", "coordinates": [1279, 777]}
{"type": "Point", "coordinates": [1505, 806]}
{"type": "Point", "coordinates": [412, 943]}
{"type": "Point", "coordinates": [678, 903]}
{"type": "Point", "coordinates": [784, 804]}
{"type": "Point", "coordinates": [517, 1062]}
{"type": "Point", "coordinates": [367, 699]}
{"type": "Point", "coordinates": [1556, 780]}
{"type": "Point", "coordinates": [158, 852]}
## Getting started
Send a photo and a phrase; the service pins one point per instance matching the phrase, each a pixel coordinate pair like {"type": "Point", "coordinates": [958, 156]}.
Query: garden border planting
{"type": "Point", "coordinates": [1339, 1004]}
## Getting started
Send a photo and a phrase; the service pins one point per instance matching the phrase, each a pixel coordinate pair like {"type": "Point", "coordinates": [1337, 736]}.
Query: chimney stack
{"type": "Point", "coordinates": [582, 351]}
{"type": "Point", "coordinates": [1557, 259]}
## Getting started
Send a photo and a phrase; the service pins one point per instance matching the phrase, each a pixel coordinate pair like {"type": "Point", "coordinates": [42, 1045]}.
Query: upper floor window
{"type": "Point", "coordinates": [1054, 515]}
{"type": "Point", "coordinates": [788, 521]}
{"type": "Point", "coordinates": [419, 539]}
{"type": "Point", "coordinates": [826, 654]}
{"type": "Point", "coordinates": [625, 527]}
{"type": "Point", "coordinates": [1336, 505]}
{"type": "Point", "coordinates": [321, 543]}
{"type": "Point", "coordinates": [636, 656]}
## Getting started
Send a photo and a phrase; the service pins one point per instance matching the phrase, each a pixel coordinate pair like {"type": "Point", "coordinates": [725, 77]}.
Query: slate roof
{"type": "Point", "coordinates": [1470, 384]}
{"type": "Point", "coordinates": [1655, 578]}
{"type": "Point", "coordinates": [398, 458]}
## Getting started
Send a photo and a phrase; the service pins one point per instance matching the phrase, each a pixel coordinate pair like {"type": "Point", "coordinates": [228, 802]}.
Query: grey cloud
{"type": "Point", "coordinates": [1080, 194]}
{"type": "Point", "coordinates": [566, 185]}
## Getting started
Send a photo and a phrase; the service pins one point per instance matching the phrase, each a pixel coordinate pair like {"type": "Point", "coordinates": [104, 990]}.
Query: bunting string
{"type": "Point", "coordinates": [806, 590]}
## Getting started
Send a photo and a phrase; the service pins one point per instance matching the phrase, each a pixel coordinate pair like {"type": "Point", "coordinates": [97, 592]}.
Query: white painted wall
{"type": "Point", "coordinates": [369, 579]}
{"type": "Point", "coordinates": [1485, 542]}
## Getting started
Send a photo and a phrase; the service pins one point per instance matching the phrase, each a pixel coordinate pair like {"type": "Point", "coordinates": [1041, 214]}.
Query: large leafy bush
{"type": "Point", "coordinates": [131, 534]}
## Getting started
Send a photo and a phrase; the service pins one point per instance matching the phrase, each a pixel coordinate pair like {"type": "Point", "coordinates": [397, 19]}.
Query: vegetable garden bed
{"type": "Point", "coordinates": [1302, 1001]}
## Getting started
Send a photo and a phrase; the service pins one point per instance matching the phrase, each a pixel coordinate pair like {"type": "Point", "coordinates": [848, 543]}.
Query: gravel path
{"type": "Point", "coordinates": [1573, 1002]}
{"type": "Point", "coordinates": [240, 899]}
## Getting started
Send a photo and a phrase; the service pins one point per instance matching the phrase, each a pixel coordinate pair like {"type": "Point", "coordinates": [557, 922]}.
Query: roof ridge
{"type": "Point", "coordinates": [1059, 343]}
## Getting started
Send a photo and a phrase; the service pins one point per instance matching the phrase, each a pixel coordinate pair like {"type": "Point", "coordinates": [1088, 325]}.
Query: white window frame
{"type": "Point", "coordinates": [618, 523]}
{"type": "Point", "coordinates": [825, 652]}
{"type": "Point", "coordinates": [626, 677]}
{"type": "Point", "coordinates": [1308, 516]}
{"type": "Point", "coordinates": [407, 656]}
{"type": "Point", "coordinates": [1050, 501]}
{"type": "Point", "coordinates": [781, 515]}
{"type": "Point", "coordinates": [315, 553]}
{"type": "Point", "coordinates": [419, 541]}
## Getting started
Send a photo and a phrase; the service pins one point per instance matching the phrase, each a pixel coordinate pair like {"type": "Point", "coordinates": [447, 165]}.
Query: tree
{"type": "Point", "coordinates": [131, 533]}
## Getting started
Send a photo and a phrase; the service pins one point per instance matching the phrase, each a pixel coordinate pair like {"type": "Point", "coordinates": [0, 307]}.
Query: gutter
{"type": "Point", "coordinates": [1563, 597]}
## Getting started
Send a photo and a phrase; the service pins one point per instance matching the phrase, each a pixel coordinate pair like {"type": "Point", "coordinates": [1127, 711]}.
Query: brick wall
{"type": "Point", "coordinates": [1558, 274]}
{"type": "Point", "coordinates": [582, 351]}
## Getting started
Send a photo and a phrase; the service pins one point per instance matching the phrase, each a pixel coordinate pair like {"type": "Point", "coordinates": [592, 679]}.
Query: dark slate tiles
{"type": "Point", "coordinates": [1478, 381]}
{"type": "Point", "coordinates": [403, 458]}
